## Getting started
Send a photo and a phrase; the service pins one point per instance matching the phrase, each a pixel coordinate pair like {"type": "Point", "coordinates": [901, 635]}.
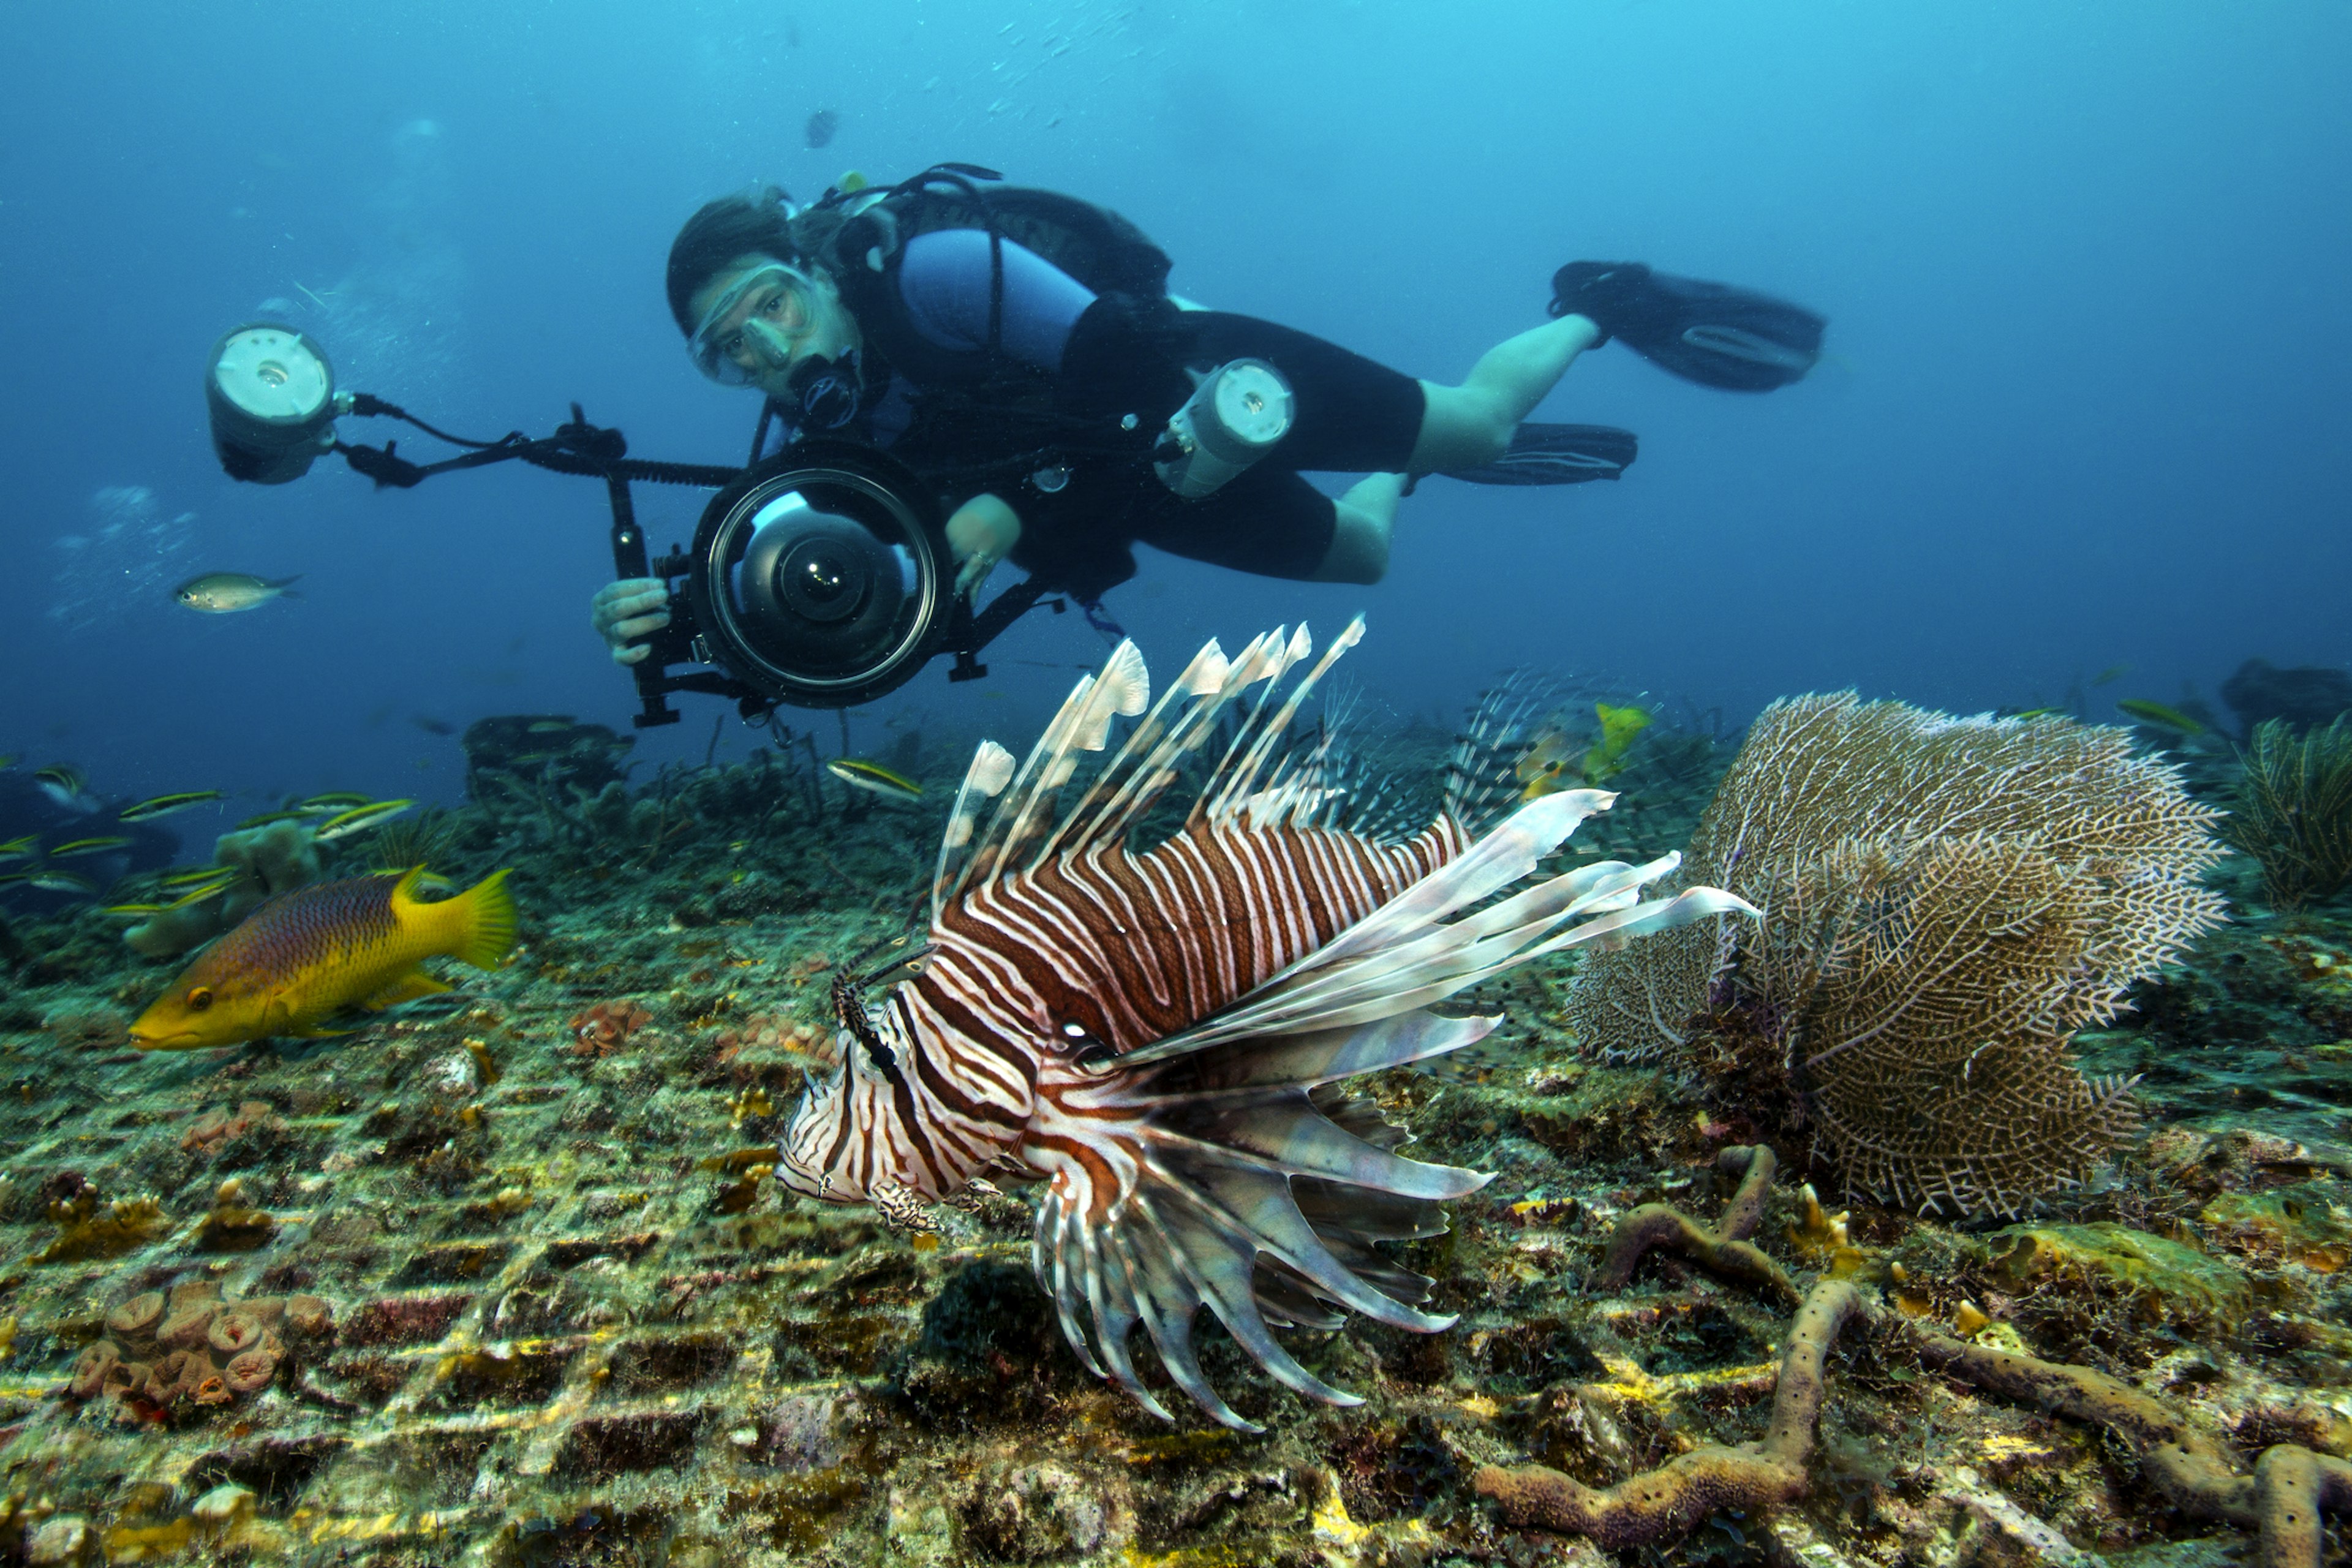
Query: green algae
{"type": "Point", "coordinates": [2173, 1276]}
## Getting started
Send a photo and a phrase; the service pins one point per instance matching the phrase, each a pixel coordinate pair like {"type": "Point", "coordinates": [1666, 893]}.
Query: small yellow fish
{"type": "Point", "coordinates": [182, 878]}
{"type": "Point", "coordinates": [2158, 716]}
{"type": "Point", "coordinates": [267, 818]}
{"type": "Point", "coordinates": [2110, 675]}
{"type": "Point", "coordinates": [132, 909]}
{"type": "Point", "coordinates": [19, 849]}
{"type": "Point", "coordinates": [858, 773]}
{"type": "Point", "coordinates": [203, 891]}
{"type": "Point", "coordinates": [1617, 728]}
{"type": "Point", "coordinates": [306, 955]}
{"type": "Point", "coordinates": [2034, 713]}
{"type": "Point", "coordinates": [86, 846]}
{"type": "Point", "coordinates": [361, 819]}
{"type": "Point", "coordinates": [549, 727]}
{"type": "Point", "coordinates": [165, 804]}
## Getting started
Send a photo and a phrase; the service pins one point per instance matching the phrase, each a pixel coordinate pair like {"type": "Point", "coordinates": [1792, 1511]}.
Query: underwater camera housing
{"type": "Point", "coordinates": [818, 578]}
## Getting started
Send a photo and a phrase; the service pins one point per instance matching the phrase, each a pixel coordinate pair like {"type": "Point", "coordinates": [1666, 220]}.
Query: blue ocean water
{"type": "Point", "coordinates": [2084, 405]}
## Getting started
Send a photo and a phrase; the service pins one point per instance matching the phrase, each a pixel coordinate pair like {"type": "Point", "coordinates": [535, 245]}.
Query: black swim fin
{"type": "Point", "coordinates": [1556, 455]}
{"type": "Point", "coordinates": [1711, 333]}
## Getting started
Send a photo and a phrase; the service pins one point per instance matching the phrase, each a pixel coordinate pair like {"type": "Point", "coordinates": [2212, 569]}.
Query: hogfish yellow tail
{"type": "Point", "coordinates": [476, 927]}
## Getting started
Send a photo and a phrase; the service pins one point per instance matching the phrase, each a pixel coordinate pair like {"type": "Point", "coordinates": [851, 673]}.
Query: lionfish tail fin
{"type": "Point", "coordinates": [1246, 1183]}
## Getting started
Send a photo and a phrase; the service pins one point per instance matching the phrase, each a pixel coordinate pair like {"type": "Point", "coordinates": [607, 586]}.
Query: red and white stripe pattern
{"type": "Point", "coordinates": [1154, 1034]}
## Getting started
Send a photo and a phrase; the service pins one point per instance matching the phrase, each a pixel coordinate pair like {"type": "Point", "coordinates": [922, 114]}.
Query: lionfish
{"type": "Point", "coordinates": [1156, 1037]}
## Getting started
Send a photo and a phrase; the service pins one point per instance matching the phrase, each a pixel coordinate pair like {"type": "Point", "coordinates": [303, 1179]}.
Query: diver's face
{"type": "Point", "coordinates": [760, 317]}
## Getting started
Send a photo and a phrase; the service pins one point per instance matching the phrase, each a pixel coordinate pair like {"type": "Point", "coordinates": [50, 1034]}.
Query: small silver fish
{"type": "Point", "coordinates": [53, 881]}
{"type": "Point", "coordinates": [64, 786]}
{"type": "Point", "coordinates": [225, 593]}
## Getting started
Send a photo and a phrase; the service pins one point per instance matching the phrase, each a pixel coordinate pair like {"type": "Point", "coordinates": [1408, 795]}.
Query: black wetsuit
{"type": "Point", "coordinates": [1068, 366]}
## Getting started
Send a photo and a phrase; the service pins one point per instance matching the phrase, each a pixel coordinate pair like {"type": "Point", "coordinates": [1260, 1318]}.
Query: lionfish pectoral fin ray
{"type": "Point", "coordinates": [1218, 1258]}
{"type": "Point", "coordinates": [1052, 1262]}
{"type": "Point", "coordinates": [1327, 1055]}
{"type": "Point", "coordinates": [1167, 1301]}
{"type": "Point", "coordinates": [1296, 1140]}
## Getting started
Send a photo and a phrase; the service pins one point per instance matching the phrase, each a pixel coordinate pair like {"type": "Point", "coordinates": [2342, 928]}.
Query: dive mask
{"type": "Point", "coordinates": [757, 326]}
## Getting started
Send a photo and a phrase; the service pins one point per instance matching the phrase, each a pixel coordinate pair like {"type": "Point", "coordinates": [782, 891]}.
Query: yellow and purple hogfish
{"type": "Point", "coordinates": [307, 954]}
{"type": "Point", "coordinates": [1155, 1036]}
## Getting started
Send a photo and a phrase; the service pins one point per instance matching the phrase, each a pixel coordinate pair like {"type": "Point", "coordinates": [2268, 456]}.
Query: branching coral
{"type": "Point", "coordinates": [2292, 811]}
{"type": "Point", "coordinates": [2287, 1494]}
{"type": "Point", "coordinates": [1944, 902]}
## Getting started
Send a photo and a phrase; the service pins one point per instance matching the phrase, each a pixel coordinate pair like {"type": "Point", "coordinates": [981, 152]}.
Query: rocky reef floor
{"type": "Point", "coordinates": [535, 1301]}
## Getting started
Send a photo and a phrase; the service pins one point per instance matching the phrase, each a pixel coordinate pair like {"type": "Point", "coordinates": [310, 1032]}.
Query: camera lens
{"type": "Point", "coordinates": [817, 577]}
{"type": "Point", "coordinates": [822, 580]}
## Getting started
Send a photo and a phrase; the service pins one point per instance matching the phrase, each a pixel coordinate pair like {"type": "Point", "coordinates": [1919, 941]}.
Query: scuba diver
{"type": "Point", "coordinates": [1019, 350]}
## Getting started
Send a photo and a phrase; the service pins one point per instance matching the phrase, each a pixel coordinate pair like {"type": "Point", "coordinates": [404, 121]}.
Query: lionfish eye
{"type": "Point", "coordinates": [1084, 1049]}
{"type": "Point", "coordinates": [200, 998]}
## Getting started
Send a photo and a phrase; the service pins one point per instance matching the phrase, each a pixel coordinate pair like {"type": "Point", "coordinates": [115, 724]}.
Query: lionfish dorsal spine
{"type": "Point", "coordinates": [1103, 811]}
{"type": "Point", "coordinates": [1238, 782]}
{"type": "Point", "coordinates": [990, 771]}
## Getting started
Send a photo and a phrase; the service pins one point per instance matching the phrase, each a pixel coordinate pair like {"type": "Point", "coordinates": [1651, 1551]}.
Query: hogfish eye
{"type": "Point", "coordinates": [200, 998]}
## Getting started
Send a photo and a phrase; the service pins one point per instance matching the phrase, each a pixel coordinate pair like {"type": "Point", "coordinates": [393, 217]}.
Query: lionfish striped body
{"type": "Point", "coordinates": [1156, 1035]}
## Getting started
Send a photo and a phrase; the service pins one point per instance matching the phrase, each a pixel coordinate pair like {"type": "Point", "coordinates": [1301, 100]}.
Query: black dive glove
{"type": "Point", "coordinates": [1615, 295]}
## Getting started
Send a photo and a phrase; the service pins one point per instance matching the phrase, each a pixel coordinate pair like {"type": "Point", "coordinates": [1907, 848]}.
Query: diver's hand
{"type": "Point", "coordinates": [625, 611]}
{"type": "Point", "coordinates": [982, 533]}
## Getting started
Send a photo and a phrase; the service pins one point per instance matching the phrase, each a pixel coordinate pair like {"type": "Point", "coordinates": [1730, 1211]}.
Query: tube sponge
{"type": "Point", "coordinates": [269, 860]}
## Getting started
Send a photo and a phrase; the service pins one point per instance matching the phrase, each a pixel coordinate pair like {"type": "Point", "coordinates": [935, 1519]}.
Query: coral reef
{"type": "Point", "coordinates": [2292, 811]}
{"type": "Point", "coordinates": [1945, 903]}
{"type": "Point", "coordinates": [552, 1344]}
{"type": "Point", "coordinates": [191, 1349]}
{"type": "Point", "coordinates": [2286, 1496]}
{"type": "Point", "coordinates": [267, 860]}
{"type": "Point", "coordinates": [2303, 697]}
{"type": "Point", "coordinates": [606, 1028]}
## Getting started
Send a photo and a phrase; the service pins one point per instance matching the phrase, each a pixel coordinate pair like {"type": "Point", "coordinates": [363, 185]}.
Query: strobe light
{"type": "Point", "coordinates": [270, 395]}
